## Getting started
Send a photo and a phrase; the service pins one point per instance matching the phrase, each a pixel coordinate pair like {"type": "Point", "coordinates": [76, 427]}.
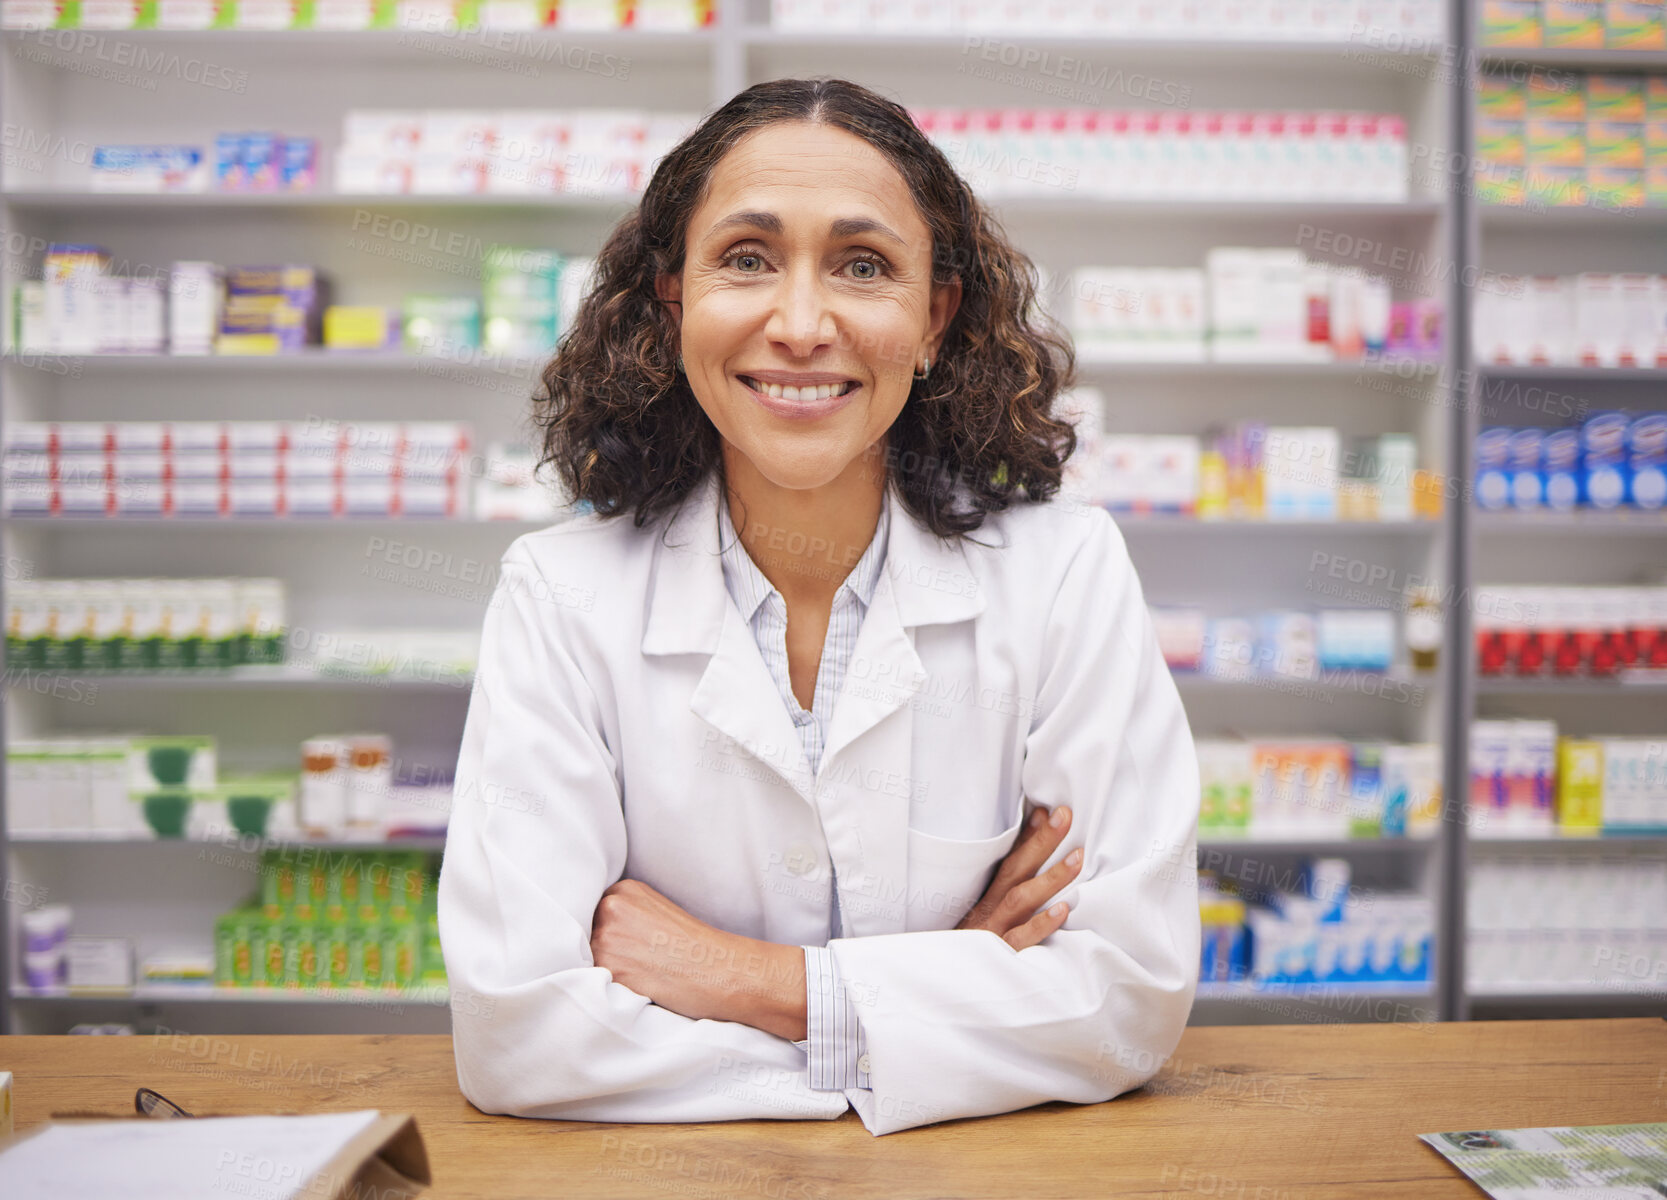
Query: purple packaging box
{"type": "Point", "coordinates": [299, 172]}
{"type": "Point", "coordinates": [260, 161]}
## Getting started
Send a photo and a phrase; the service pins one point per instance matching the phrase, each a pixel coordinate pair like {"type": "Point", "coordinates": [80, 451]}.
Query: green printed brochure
{"type": "Point", "coordinates": [1611, 1162]}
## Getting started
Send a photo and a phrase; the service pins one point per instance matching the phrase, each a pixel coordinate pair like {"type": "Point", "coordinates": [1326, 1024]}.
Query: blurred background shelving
{"type": "Point", "coordinates": [121, 887]}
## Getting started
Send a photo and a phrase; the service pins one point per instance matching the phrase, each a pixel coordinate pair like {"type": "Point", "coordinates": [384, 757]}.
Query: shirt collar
{"type": "Point", "coordinates": [749, 587]}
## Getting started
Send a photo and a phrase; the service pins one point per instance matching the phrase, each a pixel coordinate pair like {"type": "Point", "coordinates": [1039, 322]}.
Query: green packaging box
{"type": "Point", "coordinates": [1501, 143]}
{"type": "Point", "coordinates": [1556, 186]}
{"type": "Point", "coordinates": [1556, 143]}
{"type": "Point", "coordinates": [1615, 98]}
{"type": "Point", "coordinates": [1573, 24]}
{"type": "Point", "coordinates": [1635, 24]}
{"type": "Point", "coordinates": [1615, 187]}
{"type": "Point", "coordinates": [1615, 144]}
{"type": "Point", "coordinates": [1498, 96]}
{"type": "Point", "coordinates": [1557, 98]}
{"type": "Point", "coordinates": [1511, 22]}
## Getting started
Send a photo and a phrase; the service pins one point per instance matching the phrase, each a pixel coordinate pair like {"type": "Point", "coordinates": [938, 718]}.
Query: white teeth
{"type": "Point", "coordinates": [819, 391]}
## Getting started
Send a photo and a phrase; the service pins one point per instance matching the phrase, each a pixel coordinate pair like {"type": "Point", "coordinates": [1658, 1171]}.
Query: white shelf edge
{"type": "Point", "coordinates": [209, 993]}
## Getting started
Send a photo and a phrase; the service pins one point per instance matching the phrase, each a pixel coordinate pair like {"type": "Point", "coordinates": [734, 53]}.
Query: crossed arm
{"type": "Point", "coordinates": [681, 963]}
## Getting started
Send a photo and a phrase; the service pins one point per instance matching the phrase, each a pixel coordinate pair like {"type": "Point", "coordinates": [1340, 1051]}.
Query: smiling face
{"type": "Point", "coordinates": [806, 300]}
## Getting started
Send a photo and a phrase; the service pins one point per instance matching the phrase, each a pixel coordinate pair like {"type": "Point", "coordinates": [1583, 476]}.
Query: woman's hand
{"type": "Point", "coordinates": [658, 950]}
{"type": "Point", "coordinates": [1018, 891]}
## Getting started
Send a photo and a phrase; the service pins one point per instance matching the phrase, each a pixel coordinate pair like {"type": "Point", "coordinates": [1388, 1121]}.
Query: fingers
{"type": "Point", "coordinates": [1024, 936]}
{"type": "Point", "coordinates": [1039, 840]}
{"type": "Point", "coordinates": [1023, 900]}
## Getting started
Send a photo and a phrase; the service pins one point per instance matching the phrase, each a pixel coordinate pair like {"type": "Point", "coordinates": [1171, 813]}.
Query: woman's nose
{"type": "Point", "coordinates": [801, 317]}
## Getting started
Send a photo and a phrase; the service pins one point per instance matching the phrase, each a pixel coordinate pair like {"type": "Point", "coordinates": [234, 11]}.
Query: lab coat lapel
{"type": "Point", "coordinates": [690, 612]}
{"type": "Point", "coordinates": [869, 776]}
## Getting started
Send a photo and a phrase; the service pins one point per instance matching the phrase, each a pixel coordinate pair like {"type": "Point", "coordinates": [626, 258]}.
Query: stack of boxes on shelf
{"type": "Point", "coordinates": [1277, 645]}
{"type": "Point", "coordinates": [125, 786]}
{"type": "Point", "coordinates": [242, 162]}
{"type": "Point", "coordinates": [1613, 461]}
{"type": "Point", "coordinates": [1564, 921]}
{"type": "Point", "coordinates": [450, 17]}
{"type": "Point", "coordinates": [588, 152]}
{"type": "Point", "coordinates": [327, 919]}
{"type": "Point", "coordinates": [1525, 780]}
{"type": "Point", "coordinates": [1378, 23]}
{"type": "Point", "coordinates": [316, 468]}
{"type": "Point", "coordinates": [143, 624]}
{"type": "Point", "coordinates": [1594, 319]}
{"type": "Point", "coordinates": [1247, 471]}
{"type": "Point", "coordinates": [197, 308]}
{"type": "Point", "coordinates": [1247, 305]}
{"type": "Point", "coordinates": [1553, 139]}
{"type": "Point", "coordinates": [1318, 788]}
{"type": "Point", "coordinates": [1174, 153]}
{"type": "Point", "coordinates": [1575, 24]}
{"type": "Point", "coordinates": [1570, 632]}
{"type": "Point", "coordinates": [1311, 927]}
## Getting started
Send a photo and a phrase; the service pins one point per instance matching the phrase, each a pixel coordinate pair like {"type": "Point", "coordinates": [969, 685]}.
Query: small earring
{"type": "Point", "coordinates": [926, 370]}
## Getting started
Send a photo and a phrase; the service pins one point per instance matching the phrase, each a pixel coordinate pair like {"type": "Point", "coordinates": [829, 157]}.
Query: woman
{"type": "Point", "coordinates": [741, 824]}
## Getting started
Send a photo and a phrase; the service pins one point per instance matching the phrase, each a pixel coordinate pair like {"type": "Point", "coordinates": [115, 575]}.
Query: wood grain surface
{"type": "Point", "coordinates": [1284, 1112]}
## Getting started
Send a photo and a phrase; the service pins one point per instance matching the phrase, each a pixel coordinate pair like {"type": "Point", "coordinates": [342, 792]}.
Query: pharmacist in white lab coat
{"type": "Point", "coordinates": [772, 801]}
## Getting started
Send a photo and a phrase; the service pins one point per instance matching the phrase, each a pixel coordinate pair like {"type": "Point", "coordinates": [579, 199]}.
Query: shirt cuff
{"type": "Point", "coordinates": [834, 1039]}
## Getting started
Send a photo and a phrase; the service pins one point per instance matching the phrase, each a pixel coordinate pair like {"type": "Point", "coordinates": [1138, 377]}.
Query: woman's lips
{"type": "Point", "coordinates": [802, 409]}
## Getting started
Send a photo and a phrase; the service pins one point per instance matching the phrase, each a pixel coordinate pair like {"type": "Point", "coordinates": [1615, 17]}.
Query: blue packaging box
{"type": "Point", "coordinates": [1603, 451]}
{"type": "Point", "coordinates": [1646, 448]}
{"type": "Point", "coordinates": [1560, 469]}
{"type": "Point", "coordinates": [1493, 480]}
{"type": "Point", "coordinates": [1522, 459]}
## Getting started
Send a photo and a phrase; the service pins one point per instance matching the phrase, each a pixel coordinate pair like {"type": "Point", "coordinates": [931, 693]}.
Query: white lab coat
{"type": "Point", "coordinates": [624, 724]}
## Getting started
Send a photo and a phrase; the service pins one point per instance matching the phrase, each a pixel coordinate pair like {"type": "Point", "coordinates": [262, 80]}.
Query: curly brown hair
{"type": "Point", "coordinates": [625, 432]}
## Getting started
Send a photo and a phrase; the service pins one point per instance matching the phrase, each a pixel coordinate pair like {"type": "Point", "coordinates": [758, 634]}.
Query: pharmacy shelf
{"type": "Point", "coordinates": [229, 841]}
{"type": "Point", "coordinates": [240, 678]}
{"type": "Point", "coordinates": [1300, 845]}
{"type": "Point", "coordinates": [1327, 680]}
{"type": "Point", "coordinates": [1572, 217]}
{"type": "Point", "coordinates": [1561, 994]}
{"type": "Point", "coordinates": [1132, 523]}
{"type": "Point", "coordinates": [1605, 840]}
{"type": "Point", "coordinates": [1575, 59]}
{"type": "Point", "coordinates": [303, 361]}
{"type": "Point", "coordinates": [172, 993]}
{"type": "Point", "coordinates": [1571, 373]}
{"type": "Point", "coordinates": [1017, 207]}
{"type": "Point", "coordinates": [1642, 685]}
{"type": "Point", "coordinates": [1539, 524]}
{"type": "Point", "coordinates": [47, 203]}
{"type": "Point", "coordinates": [312, 76]}
{"type": "Point", "coordinates": [1100, 363]}
{"type": "Point", "coordinates": [1311, 991]}
{"type": "Point", "coordinates": [310, 525]}
{"type": "Point", "coordinates": [1263, 54]}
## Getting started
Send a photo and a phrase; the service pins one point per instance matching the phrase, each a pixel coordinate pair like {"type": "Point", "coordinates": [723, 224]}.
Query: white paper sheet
{"type": "Point", "coordinates": [206, 1158]}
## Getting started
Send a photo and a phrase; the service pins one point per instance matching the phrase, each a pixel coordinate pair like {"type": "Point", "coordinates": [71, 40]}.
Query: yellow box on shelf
{"type": "Point", "coordinates": [1580, 787]}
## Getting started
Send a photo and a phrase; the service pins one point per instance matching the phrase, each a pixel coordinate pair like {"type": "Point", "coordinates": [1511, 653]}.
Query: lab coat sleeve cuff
{"type": "Point", "coordinates": [834, 1039]}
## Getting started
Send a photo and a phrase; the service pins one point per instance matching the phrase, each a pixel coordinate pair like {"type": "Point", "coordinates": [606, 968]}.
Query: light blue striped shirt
{"type": "Point", "coordinates": [833, 1036]}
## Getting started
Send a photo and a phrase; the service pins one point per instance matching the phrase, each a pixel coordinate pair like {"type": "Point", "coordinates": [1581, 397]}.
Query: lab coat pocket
{"type": "Point", "coordinates": [947, 876]}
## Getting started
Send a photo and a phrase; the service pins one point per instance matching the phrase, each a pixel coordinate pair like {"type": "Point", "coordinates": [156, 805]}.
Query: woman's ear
{"type": "Point", "coordinates": [669, 288]}
{"type": "Point", "coordinates": [946, 302]}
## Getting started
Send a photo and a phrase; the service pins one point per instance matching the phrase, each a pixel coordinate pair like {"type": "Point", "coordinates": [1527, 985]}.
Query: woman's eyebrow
{"type": "Point", "coordinates": [768, 222]}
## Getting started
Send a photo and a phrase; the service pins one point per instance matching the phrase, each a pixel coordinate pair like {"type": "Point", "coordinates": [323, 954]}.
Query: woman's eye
{"type": "Point", "coordinates": [748, 264]}
{"type": "Point", "coordinates": [865, 268]}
